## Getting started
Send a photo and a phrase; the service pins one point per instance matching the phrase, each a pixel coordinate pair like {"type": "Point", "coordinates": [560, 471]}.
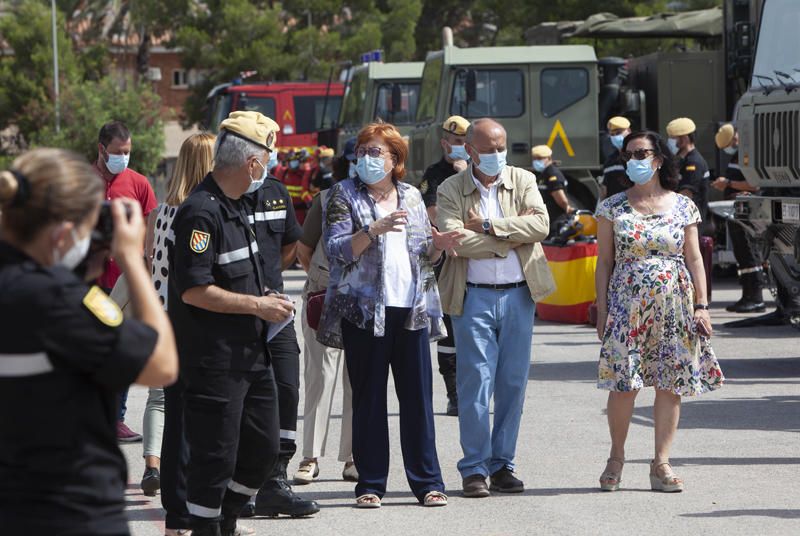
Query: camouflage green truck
{"type": "Point", "coordinates": [389, 91]}
{"type": "Point", "coordinates": [541, 95]}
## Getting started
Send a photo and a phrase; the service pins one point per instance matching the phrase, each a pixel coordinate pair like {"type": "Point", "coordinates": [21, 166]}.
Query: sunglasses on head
{"type": "Point", "coordinates": [638, 154]}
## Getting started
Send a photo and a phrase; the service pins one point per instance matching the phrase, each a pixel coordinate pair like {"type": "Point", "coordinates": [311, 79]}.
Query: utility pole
{"type": "Point", "coordinates": [55, 67]}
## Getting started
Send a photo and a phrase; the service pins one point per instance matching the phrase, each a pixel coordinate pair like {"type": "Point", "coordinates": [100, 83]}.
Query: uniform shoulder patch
{"type": "Point", "coordinates": [691, 168]}
{"type": "Point", "coordinates": [553, 178]}
{"type": "Point", "coordinates": [199, 241]}
{"type": "Point", "coordinates": [423, 186]}
{"type": "Point", "coordinates": [103, 307]}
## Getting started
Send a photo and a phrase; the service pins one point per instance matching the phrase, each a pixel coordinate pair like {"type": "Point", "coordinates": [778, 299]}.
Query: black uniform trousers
{"type": "Point", "coordinates": [285, 356]}
{"type": "Point", "coordinates": [744, 252]}
{"type": "Point", "coordinates": [368, 361]}
{"type": "Point", "coordinates": [231, 426]}
{"type": "Point", "coordinates": [446, 348]}
{"type": "Point", "coordinates": [174, 456]}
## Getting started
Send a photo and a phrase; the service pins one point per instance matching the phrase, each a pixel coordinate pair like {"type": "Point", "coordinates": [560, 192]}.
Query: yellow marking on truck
{"type": "Point", "coordinates": [558, 130]}
{"type": "Point", "coordinates": [287, 115]}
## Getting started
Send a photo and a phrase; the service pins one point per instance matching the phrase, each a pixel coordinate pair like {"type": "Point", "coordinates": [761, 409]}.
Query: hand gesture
{"type": "Point", "coordinates": [460, 165]}
{"type": "Point", "coordinates": [475, 222]}
{"type": "Point", "coordinates": [128, 239]}
{"type": "Point", "coordinates": [274, 308]}
{"type": "Point", "coordinates": [702, 320]}
{"type": "Point", "coordinates": [447, 242]}
{"type": "Point", "coordinates": [393, 223]}
{"type": "Point", "coordinates": [720, 184]}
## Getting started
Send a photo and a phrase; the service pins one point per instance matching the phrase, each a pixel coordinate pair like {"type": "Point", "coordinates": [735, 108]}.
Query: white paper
{"type": "Point", "coordinates": [276, 327]}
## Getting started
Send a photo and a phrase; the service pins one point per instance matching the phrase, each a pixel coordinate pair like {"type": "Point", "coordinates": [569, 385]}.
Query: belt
{"type": "Point", "coordinates": [501, 286]}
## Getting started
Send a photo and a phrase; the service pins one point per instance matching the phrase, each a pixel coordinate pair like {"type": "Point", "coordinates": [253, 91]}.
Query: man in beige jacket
{"type": "Point", "coordinates": [489, 290]}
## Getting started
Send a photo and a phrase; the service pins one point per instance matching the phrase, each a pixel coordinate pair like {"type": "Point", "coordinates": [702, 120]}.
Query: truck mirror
{"type": "Point", "coordinates": [397, 99]}
{"type": "Point", "coordinates": [472, 86]}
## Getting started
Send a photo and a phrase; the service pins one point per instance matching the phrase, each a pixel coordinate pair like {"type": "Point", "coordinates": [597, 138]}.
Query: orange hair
{"type": "Point", "coordinates": [393, 139]}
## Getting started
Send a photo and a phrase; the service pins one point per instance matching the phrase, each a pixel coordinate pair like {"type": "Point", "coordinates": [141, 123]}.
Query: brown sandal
{"type": "Point", "coordinates": [610, 480]}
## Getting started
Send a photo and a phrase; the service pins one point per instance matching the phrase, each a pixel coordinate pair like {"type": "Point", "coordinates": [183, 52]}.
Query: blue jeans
{"type": "Point", "coordinates": [493, 337]}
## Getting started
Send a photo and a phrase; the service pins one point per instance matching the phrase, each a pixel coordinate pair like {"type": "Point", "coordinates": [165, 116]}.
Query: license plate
{"type": "Point", "coordinates": [790, 212]}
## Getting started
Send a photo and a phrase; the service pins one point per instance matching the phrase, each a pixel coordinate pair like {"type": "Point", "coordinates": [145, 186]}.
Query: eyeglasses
{"type": "Point", "coordinates": [638, 154]}
{"type": "Point", "coordinates": [374, 152]}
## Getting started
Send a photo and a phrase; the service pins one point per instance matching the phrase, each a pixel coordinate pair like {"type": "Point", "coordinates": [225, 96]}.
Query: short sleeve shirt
{"type": "Point", "coordinates": [66, 353]}
{"type": "Point", "coordinates": [215, 245]}
{"type": "Point", "coordinates": [734, 174]}
{"type": "Point", "coordinates": [435, 175]}
{"type": "Point", "coordinates": [133, 186]}
{"type": "Point", "coordinates": [552, 180]}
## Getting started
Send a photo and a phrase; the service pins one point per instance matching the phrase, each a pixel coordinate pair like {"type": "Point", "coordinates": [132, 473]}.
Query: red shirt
{"type": "Point", "coordinates": [134, 186]}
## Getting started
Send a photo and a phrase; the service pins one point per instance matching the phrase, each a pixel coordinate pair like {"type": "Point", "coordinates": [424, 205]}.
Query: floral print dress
{"type": "Point", "coordinates": [650, 337]}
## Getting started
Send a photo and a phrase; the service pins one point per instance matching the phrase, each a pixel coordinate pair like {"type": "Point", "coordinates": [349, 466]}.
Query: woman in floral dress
{"type": "Point", "coordinates": [653, 317]}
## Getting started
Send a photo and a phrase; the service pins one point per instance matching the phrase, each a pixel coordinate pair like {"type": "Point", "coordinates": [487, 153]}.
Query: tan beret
{"type": "Point", "coordinates": [455, 124]}
{"type": "Point", "coordinates": [541, 151]}
{"type": "Point", "coordinates": [724, 136]}
{"type": "Point", "coordinates": [618, 123]}
{"type": "Point", "coordinates": [252, 126]}
{"type": "Point", "coordinates": [326, 152]}
{"type": "Point", "coordinates": [680, 127]}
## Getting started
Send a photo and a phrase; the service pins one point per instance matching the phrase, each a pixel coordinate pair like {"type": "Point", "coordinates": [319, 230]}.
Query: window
{"type": "Point", "coordinates": [497, 94]}
{"type": "Point", "coordinates": [429, 92]}
{"type": "Point", "coordinates": [561, 88]}
{"type": "Point", "coordinates": [308, 113]}
{"type": "Point", "coordinates": [265, 105]}
{"type": "Point", "coordinates": [180, 78]}
{"type": "Point", "coordinates": [220, 109]}
{"type": "Point", "coordinates": [354, 100]}
{"type": "Point", "coordinates": [409, 96]}
{"type": "Point", "coordinates": [777, 62]}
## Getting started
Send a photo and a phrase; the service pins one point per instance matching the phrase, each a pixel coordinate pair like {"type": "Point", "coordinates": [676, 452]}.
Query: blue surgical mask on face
{"type": "Point", "coordinates": [273, 160]}
{"type": "Point", "coordinates": [294, 164]}
{"type": "Point", "coordinates": [640, 171]}
{"type": "Point", "coordinates": [352, 171]}
{"type": "Point", "coordinates": [492, 164]}
{"type": "Point", "coordinates": [458, 152]}
{"type": "Point", "coordinates": [371, 170]}
{"type": "Point", "coordinates": [672, 143]}
{"type": "Point", "coordinates": [730, 150]}
{"type": "Point", "coordinates": [258, 183]}
{"type": "Point", "coordinates": [538, 165]}
{"type": "Point", "coordinates": [617, 140]}
{"type": "Point", "coordinates": [117, 163]}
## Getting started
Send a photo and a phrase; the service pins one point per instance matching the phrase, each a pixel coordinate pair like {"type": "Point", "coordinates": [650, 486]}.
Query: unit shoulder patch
{"type": "Point", "coordinates": [199, 241]}
{"type": "Point", "coordinates": [423, 186]}
{"type": "Point", "coordinates": [691, 168]}
{"type": "Point", "coordinates": [553, 178]}
{"type": "Point", "coordinates": [103, 307]}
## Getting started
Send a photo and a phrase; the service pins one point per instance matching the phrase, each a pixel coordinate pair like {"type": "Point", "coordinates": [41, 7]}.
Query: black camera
{"type": "Point", "coordinates": [103, 232]}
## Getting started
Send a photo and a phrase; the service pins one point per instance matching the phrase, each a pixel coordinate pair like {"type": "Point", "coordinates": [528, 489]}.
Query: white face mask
{"type": "Point", "coordinates": [117, 163]}
{"type": "Point", "coordinates": [75, 254]}
{"type": "Point", "coordinates": [255, 184]}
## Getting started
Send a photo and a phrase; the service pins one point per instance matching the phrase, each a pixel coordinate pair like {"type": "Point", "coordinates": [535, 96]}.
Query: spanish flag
{"type": "Point", "coordinates": [573, 269]}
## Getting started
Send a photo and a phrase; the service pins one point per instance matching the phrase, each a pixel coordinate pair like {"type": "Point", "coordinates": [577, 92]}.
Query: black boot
{"type": "Point", "coordinates": [752, 295]}
{"type": "Point", "coordinates": [452, 394]}
{"type": "Point", "coordinates": [207, 529]}
{"type": "Point", "coordinates": [276, 496]}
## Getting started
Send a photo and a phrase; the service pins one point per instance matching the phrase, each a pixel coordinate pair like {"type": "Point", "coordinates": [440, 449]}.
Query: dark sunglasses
{"type": "Point", "coordinates": [374, 152]}
{"type": "Point", "coordinates": [638, 154]}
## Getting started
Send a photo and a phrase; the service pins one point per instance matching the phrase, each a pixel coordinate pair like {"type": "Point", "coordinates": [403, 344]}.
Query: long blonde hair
{"type": "Point", "coordinates": [195, 160]}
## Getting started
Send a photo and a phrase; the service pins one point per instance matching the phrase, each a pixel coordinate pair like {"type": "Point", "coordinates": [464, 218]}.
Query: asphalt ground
{"type": "Point", "coordinates": [738, 450]}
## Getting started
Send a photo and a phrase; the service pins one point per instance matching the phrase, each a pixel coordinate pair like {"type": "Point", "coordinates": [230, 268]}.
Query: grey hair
{"type": "Point", "coordinates": [476, 122]}
{"type": "Point", "coordinates": [233, 152]}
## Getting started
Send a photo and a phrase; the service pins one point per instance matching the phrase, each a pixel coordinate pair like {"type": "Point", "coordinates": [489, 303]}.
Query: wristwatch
{"type": "Point", "coordinates": [486, 226]}
{"type": "Point", "coordinates": [371, 236]}
{"type": "Point", "coordinates": [700, 306]}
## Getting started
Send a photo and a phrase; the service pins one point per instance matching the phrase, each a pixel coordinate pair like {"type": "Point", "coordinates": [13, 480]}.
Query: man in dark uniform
{"type": "Point", "coordinates": [693, 168]}
{"type": "Point", "coordinates": [271, 214]}
{"type": "Point", "coordinates": [221, 315]}
{"type": "Point", "coordinates": [454, 159]}
{"type": "Point", "coordinates": [552, 184]}
{"type": "Point", "coordinates": [733, 183]}
{"type": "Point", "coordinates": [614, 179]}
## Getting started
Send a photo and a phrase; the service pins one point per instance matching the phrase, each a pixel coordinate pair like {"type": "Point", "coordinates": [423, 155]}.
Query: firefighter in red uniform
{"type": "Point", "coordinates": [296, 176]}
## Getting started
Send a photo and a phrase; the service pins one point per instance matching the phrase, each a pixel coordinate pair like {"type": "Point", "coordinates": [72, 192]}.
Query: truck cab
{"type": "Point", "coordinates": [540, 94]}
{"type": "Point", "coordinates": [301, 109]}
{"type": "Point", "coordinates": [389, 91]}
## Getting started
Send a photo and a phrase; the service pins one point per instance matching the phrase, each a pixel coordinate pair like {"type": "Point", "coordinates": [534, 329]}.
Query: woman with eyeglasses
{"type": "Point", "coordinates": [653, 317]}
{"type": "Point", "coordinates": [382, 306]}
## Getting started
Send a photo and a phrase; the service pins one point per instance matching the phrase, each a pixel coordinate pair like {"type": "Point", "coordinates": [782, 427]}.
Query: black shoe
{"type": "Point", "coordinates": [504, 481]}
{"type": "Point", "coordinates": [151, 481]}
{"type": "Point", "coordinates": [474, 486]}
{"type": "Point", "coordinates": [452, 407]}
{"type": "Point", "coordinates": [208, 529]}
{"type": "Point", "coordinates": [276, 497]}
{"type": "Point", "coordinates": [249, 510]}
{"type": "Point", "coordinates": [743, 306]}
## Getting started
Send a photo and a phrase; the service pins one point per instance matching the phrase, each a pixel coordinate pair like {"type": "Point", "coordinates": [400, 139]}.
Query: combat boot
{"type": "Point", "coordinates": [208, 529]}
{"type": "Point", "coordinates": [452, 394]}
{"type": "Point", "coordinates": [752, 295]}
{"type": "Point", "coordinates": [276, 497]}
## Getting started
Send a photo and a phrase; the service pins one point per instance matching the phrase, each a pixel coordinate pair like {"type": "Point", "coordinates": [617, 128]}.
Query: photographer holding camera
{"type": "Point", "coordinates": [67, 351]}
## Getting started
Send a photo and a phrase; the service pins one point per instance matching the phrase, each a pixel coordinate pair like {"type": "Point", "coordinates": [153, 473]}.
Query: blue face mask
{"type": "Point", "coordinates": [257, 183]}
{"type": "Point", "coordinates": [672, 143]}
{"type": "Point", "coordinates": [640, 171]}
{"type": "Point", "coordinates": [730, 150]}
{"type": "Point", "coordinates": [273, 160]}
{"type": "Point", "coordinates": [117, 163]}
{"type": "Point", "coordinates": [492, 164]}
{"type": "Point", "coordinates": [458, 152]}
{"type": "Point", "coordinates": [294, 164]}
{"type": "Point", "coordinates": [352, 172]}
{"type": "Point", "coordinates": [538, 165]}
{"type": "Point", "coordinates": [617, 140]}
{"type": "Point", "coordinates": [371, 170]}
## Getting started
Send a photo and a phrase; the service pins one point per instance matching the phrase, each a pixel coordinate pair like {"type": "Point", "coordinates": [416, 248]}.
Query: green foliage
{"type": "Point", "coordinates": [86, 107]}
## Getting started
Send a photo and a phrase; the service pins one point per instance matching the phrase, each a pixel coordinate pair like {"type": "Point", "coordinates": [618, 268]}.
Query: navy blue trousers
{"type": "Point", "coordinates": [369, 358]}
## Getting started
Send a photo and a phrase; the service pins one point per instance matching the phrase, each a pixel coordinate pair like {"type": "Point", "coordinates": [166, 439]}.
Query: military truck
{"type": "Point", "coordinates": [541, 94]}
{"type": "Point", "coordinates": [768, 119]}
{"type": "Point", "coordinates": [389, 91]}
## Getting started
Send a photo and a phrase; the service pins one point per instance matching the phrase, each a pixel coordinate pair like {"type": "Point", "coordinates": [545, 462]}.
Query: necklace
{"type": "Point", "coordinates": [380, 196]}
